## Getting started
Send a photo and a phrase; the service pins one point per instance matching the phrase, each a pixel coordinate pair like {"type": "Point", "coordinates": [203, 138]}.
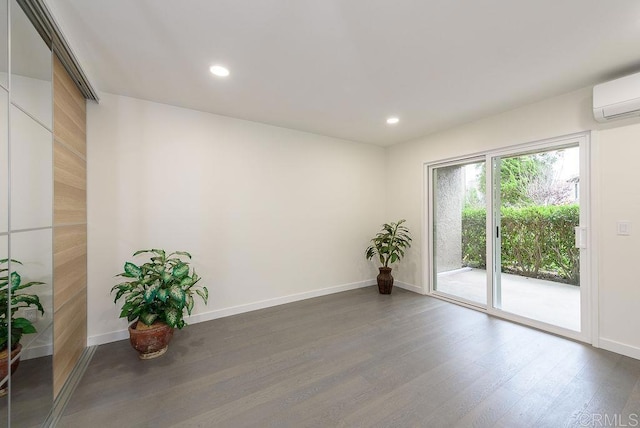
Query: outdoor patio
{"type": "Point", "coordinates": [551, 302]}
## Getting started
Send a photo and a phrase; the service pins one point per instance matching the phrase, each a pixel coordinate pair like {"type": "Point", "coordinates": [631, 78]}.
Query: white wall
{"type": "Point", "coordinates": [273, 215]}
{"type": "Point", "coordinates": [619, 296]}
{"type": "Point", "coordinates": [615, 175]}
{"type": "Point", "coordinates": [269, 214]}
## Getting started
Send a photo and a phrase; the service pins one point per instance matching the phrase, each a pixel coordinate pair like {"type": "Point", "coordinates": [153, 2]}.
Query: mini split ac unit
{"type": "Point", "coordinates": [617, 99]}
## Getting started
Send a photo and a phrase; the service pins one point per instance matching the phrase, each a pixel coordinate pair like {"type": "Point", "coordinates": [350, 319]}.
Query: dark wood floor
{"type": "Point", "coordinates": [358, 359]}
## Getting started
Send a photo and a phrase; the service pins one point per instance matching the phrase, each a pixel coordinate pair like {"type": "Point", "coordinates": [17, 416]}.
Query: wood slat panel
{"type": "Point", "coordinates": [69, 338]}
{"type": "Point", "coordinates": [68, 133]}
{"type": "Point", "coordinates": [70, 188]}
{"type": "Point", "coordinates": [70, 229]}
{"type": "Point", "coordinates": [69, 262]}
{"type": "Point", "coordinates": [66, 87]}
{"type": "Point", "coordinates": [68, 167]}
{"type": "Point", "coordinates": [70, 205]}
{"type": "Point", "coordinates": [73, 111]}
{"type": "Point", "coordinates": [69, 116]}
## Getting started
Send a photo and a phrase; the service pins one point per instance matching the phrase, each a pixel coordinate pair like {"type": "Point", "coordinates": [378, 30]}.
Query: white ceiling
{"type": "Point", "coordinates": [340, 67]}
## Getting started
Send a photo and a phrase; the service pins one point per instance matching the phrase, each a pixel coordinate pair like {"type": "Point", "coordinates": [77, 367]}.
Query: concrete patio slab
{"type": "Point", "coordinates": [547, 301]}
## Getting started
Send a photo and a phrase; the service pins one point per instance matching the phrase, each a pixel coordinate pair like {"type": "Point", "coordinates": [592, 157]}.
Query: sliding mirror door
{"type": "Point", "coordinates": [26, 222]}
{"type": "Point", "coordinates": [4, 217]}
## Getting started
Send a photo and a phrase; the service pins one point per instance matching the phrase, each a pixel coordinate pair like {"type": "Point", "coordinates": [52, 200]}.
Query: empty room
{"type": "Point", "coordinates": [319, 213]}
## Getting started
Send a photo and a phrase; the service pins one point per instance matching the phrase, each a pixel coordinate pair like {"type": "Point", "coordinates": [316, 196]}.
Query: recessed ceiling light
{"type": "Point", "coordinates": [219, 70]}
{"type": "Point", "coordinates": [392, 120]}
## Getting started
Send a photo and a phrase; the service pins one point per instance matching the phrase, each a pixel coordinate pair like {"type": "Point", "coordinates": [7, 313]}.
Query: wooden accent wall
{"type": "Point", "coordinates": [69, 226]}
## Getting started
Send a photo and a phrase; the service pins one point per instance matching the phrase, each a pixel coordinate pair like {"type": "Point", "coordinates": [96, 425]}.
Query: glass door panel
{"type": "Point", "coordinates": [536, 211]}
{"type": "Point", "coordinates": [459, 231]}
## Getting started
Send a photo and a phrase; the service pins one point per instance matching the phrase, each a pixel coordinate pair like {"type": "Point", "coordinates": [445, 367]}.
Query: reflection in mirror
{"type": "Point", "coordinates": [31, 245]}
{"type": "Point", "coordinates": [4, 44]}
{"type": "Point", "coordinates": [31, 390]}
{"type": "Point", "coordinates": [4, 243]}
{"type": "Point", "coordinates": [4, 333]}
{"type": "Point", "coordinates": [33, 250]}
{"type": "Point", "coordinates": [4, 161]}
{"type": "Point", "coordinates": [31, 173]}
{"type": "Point", "coordinates": [31, 76]}
{"type": "Point", "coordinates": [29, 338]}
{"type": "Point", "coordinates": [26, 200]}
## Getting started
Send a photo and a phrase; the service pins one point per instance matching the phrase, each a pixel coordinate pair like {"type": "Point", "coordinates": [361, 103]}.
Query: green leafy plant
{"type": "Point", "coordinates": [537, 241]}
{"type": "Point", "coordinates": [389, 244]}
{"type": "Point", "coordinates": [11, 301]}
{"type": "Point", "coordinates": [161, 289]}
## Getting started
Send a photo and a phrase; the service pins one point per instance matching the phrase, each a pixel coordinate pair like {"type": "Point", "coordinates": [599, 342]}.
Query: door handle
{"type": "Point", "coordinates": [581, 237]}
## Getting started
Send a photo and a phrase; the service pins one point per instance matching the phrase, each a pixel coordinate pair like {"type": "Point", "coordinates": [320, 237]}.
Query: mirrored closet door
{"type": "Point", "coordinates": [26, 217]}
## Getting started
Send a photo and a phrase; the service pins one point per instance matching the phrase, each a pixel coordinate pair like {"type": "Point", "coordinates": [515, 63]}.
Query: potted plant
{"type": "Point", "coordinates": [389, 244]}
{"type": "Point", "coordinates": [156, 298]}
{"type": "Point", "coordinates": [12, 327]}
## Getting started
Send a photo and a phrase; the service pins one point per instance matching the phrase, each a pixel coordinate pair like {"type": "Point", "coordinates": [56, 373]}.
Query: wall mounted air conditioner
{"type": "Point", "coordinates": [617, 99]}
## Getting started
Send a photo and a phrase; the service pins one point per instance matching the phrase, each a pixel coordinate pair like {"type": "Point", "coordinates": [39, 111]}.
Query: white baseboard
{"type": "Point", "coordinates": [409, 287]}
{"type": "Point", "coordinates": [100, 339]}
{"type": "Point", "coordinates": [619, 348]}
{"type": "Point", "coordinates": [113, 336]}
{"type": "Point", "coordinates": [36, 352]}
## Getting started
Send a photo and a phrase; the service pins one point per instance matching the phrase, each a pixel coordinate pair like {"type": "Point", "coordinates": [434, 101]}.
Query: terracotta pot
{"type": "Point", "coordinates": [150, 342]}
{"type": "Point", "coordinates": [4, 366]}
{"type": "Point", "coordinates": [385, 280]}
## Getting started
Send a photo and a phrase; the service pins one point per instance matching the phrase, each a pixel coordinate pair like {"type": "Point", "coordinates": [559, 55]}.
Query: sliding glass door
{"type": "Point", "coordinates": [508, 233]}
{"type": "Point", "coordinates": [459, 229]}
{"type": "Point", "coordinates": [536, 212]}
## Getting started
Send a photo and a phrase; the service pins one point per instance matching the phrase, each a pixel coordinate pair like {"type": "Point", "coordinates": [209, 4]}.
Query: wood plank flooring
{"type": "Point", "coordinates": [358, 359]}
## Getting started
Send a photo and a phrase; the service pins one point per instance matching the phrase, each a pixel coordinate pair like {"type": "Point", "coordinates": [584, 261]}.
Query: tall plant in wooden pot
{"type": "Point", "coordinates": [13, 326]}
{"type": "Point", "coordinates": [389, 245]}
{"type": "Point", "coordinates": [156, 298]}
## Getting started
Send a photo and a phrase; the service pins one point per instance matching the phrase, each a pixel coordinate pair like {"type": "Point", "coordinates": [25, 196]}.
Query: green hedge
{"type": "Point", "coordinates": [537, 241]}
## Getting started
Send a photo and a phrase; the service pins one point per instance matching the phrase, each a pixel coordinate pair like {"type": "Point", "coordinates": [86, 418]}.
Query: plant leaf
{"type": "Point", "coordinates": [167, 277]}
{"type": "Point", "coordinates": [178, 295]}
{"type": "Point", "coordinates": [190, 304]}
{"type": "Point", "coordinates": [133, 270]}
{"type": "Point", "coordinates": [148, 318]}
{"type": "Point", "coordinates": [204, 293]}
{"type": "Point", "coordinates": [150, 292]}
{"type": "Point", "coordinates": [195, 277]}
{"type": "Point", "coordinates": [162, 295]}
{"type": "Point", "coordinates": [181, 270]}
{"type": "Point", "coordinates": [172, 317]}
{"type": "Point", "coordinates": [24, 324]}
{"type": "Point", "coordinates": [15, 279]}
{"type": "Point", "coordinates": [141, 252]}
{"type": "Point", "coordinates": [186, 282]}
{"type": "Point", "coordinates": [26, 300]}
{"type": "Point", "coordinates": [181, 253]}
